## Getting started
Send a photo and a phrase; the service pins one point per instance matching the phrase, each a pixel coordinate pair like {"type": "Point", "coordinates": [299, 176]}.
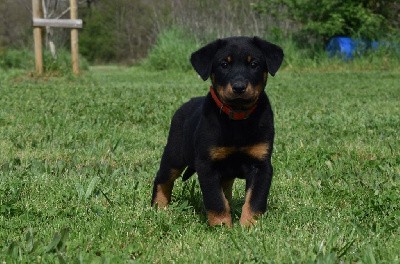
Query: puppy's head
{"type": "Point", "coordinates": [238, 67]}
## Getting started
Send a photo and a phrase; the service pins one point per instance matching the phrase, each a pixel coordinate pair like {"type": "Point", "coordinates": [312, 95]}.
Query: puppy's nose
{"type": "Point", "coordinates": [239, 87]}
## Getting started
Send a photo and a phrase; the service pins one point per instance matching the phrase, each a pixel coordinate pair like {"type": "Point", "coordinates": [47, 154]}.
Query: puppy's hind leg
{"type": "Point", "coordinates": [171, 166]}
{"type": "Point", "coordinates": [172, 163]}
{"type": "Point", "coordinates": [164, 183]}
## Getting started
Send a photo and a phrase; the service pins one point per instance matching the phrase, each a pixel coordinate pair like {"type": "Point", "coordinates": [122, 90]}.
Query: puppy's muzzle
{"type": "Point", "coordinates": [239, 87]}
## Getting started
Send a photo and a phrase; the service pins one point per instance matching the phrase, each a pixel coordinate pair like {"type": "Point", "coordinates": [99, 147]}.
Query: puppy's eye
{"type": "Point", "coordinates": [224, 64]}
{"type": "Point", "coordinates": [254, 64]}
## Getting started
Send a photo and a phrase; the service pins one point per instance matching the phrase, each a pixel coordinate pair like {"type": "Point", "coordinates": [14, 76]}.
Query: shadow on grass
{"type": "Point", "coordinates": [187, 197]}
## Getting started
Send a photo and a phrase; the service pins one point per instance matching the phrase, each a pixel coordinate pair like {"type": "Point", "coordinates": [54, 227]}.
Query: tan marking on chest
{"type": "Point", "coordinates": [257, 151]}
{"type": "Point", "coordinates": [220, 153]}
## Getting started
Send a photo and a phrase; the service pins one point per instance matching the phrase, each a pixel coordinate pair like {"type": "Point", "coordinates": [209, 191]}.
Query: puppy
{"type": "Point", "coordinates": [227, 134]}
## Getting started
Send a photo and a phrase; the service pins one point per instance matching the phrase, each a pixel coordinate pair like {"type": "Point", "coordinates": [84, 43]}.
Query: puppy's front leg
{"type": "Point", "coordinates": [215, 202]}
{"type": "Point", "coordinates": [258, 183]}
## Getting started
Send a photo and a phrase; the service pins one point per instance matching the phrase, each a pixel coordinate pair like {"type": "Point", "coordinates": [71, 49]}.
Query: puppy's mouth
{"type": "Point", "coordinates": [239, 101]}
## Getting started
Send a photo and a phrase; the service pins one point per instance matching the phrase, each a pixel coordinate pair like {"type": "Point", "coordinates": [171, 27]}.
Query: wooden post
{"type": "Point", "coordinates": [38, 22]}
{"type": "Point", "coordinates": [37, 36]}
{"type": "Point", "coordinates": [74, 38]}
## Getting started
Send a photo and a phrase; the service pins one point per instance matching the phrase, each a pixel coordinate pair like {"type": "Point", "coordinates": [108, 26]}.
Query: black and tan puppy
{"type": "Point", "coordinates": [227, 134]}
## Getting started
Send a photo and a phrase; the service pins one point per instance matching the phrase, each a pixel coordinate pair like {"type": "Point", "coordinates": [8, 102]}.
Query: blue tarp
{"type": "Point", "coordinates": [347, 48]}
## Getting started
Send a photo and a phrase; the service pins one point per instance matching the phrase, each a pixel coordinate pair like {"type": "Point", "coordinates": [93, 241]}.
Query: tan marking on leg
{"type": "Point", "coordinates": [175, 173]}
{"type": "Point", "coordinates": [220, 153]}
{"type": "Point", "coordinates": [215, 219]}
{"type": "Point", "coordinates": [227, 188]}
{"type": "Point", "coordinates": [257, 151]}
{"type": "Point", "coordinates": [164, 190]}
{"type": "Point", "coordinates": [229, 59]}
{"type": "Point", "coordinates": [220, 218]}
{"type": "Point", "coordinates": [248, 215]}
{"type": "Point", "coordinates": [163, 195]}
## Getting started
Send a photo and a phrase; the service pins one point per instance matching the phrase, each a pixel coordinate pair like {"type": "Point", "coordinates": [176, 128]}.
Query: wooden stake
{"type": "Point", "coordinates": [37, 36]}
{"type": "Point", "coordinates": [74, 38]}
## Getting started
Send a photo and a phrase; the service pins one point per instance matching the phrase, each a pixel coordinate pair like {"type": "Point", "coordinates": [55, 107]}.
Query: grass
{"type": "Point", "coordinates": [78, 156]}
{"type": "Point", "coordinates": [23, 59]}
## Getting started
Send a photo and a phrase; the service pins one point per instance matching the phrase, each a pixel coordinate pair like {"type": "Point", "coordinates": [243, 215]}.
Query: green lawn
{"type": "Point", "coordinates": [78, 157]}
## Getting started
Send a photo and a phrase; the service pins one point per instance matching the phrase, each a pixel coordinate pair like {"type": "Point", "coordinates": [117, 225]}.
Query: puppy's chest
{"type": "Point", "coordinates": [236, 143]}
{"type": "Point", "coordinates": [258, 151]}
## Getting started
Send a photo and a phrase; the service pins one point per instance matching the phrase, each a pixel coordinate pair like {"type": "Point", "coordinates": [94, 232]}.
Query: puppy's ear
{"type": "Point", "coordinates": [273, 54]}
{"type": "Point", "coordinates": [203, 58]}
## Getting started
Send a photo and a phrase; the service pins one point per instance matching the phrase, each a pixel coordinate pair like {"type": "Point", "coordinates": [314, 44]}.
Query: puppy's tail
{"type": "Point", "coordinates": [188, 173]}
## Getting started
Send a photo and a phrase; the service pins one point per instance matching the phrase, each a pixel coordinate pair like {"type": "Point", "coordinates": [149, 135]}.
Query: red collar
{"type": "Point", "coordinates": [232, 114]}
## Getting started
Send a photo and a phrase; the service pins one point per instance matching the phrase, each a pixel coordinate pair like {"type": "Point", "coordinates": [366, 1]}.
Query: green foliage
{"type": "Point", "coordinates": [61, 65]}
{"type": "Point", "coordinates": [341, 18]}
{"type": "Point", "coordinates": [97, 39]}
{"type": "Point", "coordinates": [119, 31]}
{"type": "Point", "coordinates": [24, 59]}
{"type": "Point", "coordinates": [171, 51]}
{"type": "Point", "coordinates": [16, 59]}
{"type": "Point", "coordinates": [79, 155]}
{"type": "Point", "coordinates": [321, 19]}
